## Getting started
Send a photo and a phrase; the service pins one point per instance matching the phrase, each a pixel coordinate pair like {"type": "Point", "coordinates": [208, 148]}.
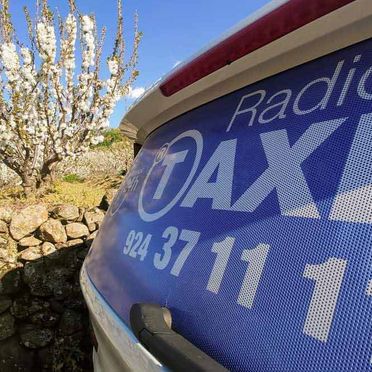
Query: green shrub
{"type": "Point", "coordinates": [111, 136]}
{"type": "Point", "coordinates": [72, 178]}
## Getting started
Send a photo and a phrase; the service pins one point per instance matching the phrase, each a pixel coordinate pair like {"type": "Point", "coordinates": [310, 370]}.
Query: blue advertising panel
{"type": "Point", "coordinates": [250, 218]}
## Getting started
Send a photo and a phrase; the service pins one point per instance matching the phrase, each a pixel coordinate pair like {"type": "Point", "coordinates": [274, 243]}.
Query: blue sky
{"type": "Point", "coordinates": [173, 29]}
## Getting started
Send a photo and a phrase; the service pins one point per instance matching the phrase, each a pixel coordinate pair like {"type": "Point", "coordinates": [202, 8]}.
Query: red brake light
{"type": "Point", "coordinates": [280, 22]}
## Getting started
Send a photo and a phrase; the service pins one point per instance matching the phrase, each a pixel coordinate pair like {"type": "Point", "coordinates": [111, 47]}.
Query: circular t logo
{"type": "Point", "coordinates": [170, 160]}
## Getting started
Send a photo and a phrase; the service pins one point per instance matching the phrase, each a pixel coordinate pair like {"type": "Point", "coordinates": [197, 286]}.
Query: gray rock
{"type": "Point", "coordinates": [45, 318]}
{"type": "Point", "coordinates": [92, 227]}
{"type": "Point", "coordinates": [60, 274]}
{"type": "Point", "coordinates": [66, 212]}
{"type": "Point", "coordinates": [59, 280]}
{"type": "Point", "coordinates": [5, 303]}
{"type": "Point", "coordinates": [69, 244]}
{"type": "Point", "coordinates": [31, 254]}
{"type": "Point", "coordinates": [93, 215]}
{"type": "Point", "coordinates": [8, 262]}
{"type": "Point", "coordinates": [61, 246]}
{"type": "Point", "coordinates": [3, 243]}
{"type": "Point", "coordinates": [6, 214]}
{"type": "Point", "coordinates": [36, 338]}
{"type": "Point", "coordinates": [71, 322]}
{"type": "Point", "coordinates": [48, 249]}
{"type": "Point", "coordinates": [8, 250]}
{"type": "Point", "coordinates": [75, 242]}
{"type": "Point", "coordinates": [11, 282]}
{"type": "Point", "coordinates": [76, 230]}
{"type": "Point", "coordinates": [7, 327]}
{"type": "Point", "coordinates": [27, 221]}
{"type": "Point", "coordinates": [62, 290]}
{"type": "Point", "coordinates": [3, 254]}
{"type": "Point", "coordinates": [20, 307]}
{"type": "Point", "coordinates": [37, 278]}
{"type": "Point", "coordinates": [29, 241]}
{"type": "Point", "coordinates": [38, 304]}
{"type": "Point", "coordinates": [71, 351]}
{"type": "Point", "coordinates": [53, 231]}
{"type": "Point", "coordinates": [25, 306]}
{"type": "Point", "coordinates": [3, 228]}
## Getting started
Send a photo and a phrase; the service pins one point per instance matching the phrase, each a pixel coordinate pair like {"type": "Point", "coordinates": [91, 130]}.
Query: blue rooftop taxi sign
{"type": "Point", "coordinates": [250, 218]}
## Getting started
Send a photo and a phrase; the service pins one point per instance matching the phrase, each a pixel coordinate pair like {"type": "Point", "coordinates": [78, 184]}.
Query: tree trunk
{"type": "Point", "coordinates": [39, 183]}
{"type": "Point", "coordinates": [29, 185]}
{"type": "Point", "coordinates": [47, 177]}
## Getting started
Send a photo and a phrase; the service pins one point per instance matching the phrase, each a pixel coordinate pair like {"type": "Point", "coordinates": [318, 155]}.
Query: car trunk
{"type": "Point", "coordinates": [249, 217]}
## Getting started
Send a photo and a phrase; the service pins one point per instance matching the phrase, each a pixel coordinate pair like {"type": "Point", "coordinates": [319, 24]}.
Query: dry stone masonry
{"type": "Point", "coordinates": [44, 323]}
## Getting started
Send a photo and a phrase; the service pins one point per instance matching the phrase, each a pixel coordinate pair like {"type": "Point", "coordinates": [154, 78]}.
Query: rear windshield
{"type": "Point", "coordinates": [250, 217]}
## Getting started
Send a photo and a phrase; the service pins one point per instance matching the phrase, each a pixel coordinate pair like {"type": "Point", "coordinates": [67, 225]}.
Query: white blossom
{"type": "Point", "coordinates": [47, 41]}
{"type": "Point", "coordinates": [113, 66]}
{"type": "Point", "coordinates": [87, 23]}
{"type": "Point", "coordinates": [28, 70]}
{"type": "Point", "coordinates": [10, 60]}
{"type": "Point", "coordinates": [27, 57]}
{"type": "Point", "coordinates": [69, 43]}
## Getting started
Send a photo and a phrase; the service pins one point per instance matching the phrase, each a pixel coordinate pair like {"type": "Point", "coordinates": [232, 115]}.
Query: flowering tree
{"type": "Point", "coordinates": [49, 109]}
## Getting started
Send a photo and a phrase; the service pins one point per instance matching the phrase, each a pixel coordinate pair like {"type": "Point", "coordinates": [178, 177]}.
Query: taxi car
{"type": "Point", "coordinates": [241, 237]}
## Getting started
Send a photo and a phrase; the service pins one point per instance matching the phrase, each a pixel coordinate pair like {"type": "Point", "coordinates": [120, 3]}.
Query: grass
{"type": "Point", "coordinates": [72, 178]}
{"type": "Point", "coordinates": [79, 193]}
{"type": "Point", "coordinates": [82, 194]}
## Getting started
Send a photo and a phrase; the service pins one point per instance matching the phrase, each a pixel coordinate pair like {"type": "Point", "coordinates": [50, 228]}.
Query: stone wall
{"type": "Point", "coordinates": [44, 323]}
{"type": "Point", "coordinates": [98, 162]}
